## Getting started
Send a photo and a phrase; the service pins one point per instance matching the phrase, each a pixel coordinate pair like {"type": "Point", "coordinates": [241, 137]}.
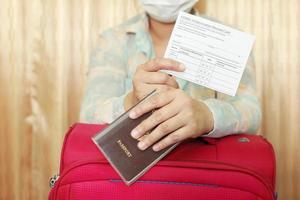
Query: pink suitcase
{"type": "Point", "coordinates": [231, 168]}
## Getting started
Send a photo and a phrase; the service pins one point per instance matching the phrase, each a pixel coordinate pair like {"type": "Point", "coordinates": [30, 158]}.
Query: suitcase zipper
{"type": "Point", "coordinates": [57, 179]}
{"type": "Point", "coordinates": [53, 180]}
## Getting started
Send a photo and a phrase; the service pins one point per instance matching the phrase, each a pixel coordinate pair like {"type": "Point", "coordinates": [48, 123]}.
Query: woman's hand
{"type": "Point", "coordinates": [177, 116]}
{"type": "Point", "coordinates": [148, 77]}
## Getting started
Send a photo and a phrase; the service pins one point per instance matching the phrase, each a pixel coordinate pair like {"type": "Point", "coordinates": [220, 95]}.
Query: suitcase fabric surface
{"type": "Point", "coordinates": [237, 167]}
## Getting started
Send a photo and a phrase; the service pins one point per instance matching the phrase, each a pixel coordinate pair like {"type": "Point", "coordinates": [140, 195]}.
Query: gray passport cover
{"type": "Point", "coordinates": [120, 149]}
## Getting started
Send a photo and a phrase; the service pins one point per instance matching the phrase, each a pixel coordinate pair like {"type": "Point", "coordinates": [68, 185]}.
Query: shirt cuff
{"type": "Point", "coordinates": [220, 127]}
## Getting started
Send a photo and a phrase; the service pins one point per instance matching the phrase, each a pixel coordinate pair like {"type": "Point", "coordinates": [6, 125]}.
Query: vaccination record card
{"type": "Point", "coordinates": [215, 55]}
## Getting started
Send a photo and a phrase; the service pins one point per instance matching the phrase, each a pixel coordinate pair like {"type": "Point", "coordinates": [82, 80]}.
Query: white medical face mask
{"type": "Point", "coordinates": [167, 10]}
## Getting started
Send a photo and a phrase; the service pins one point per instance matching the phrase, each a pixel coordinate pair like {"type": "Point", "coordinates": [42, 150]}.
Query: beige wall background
{"type": "Point", "coordinates": [45, 47]}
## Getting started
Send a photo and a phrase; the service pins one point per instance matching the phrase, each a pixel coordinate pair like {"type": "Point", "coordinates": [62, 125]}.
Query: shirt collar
{"type": "Point", "coordinates": [140, 29]}
{"type": "Point", "coordinates": [141, 24]}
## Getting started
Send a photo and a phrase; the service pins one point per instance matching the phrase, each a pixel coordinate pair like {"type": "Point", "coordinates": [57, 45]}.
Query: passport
{"type": "Point", "coordinates": [121, 151]}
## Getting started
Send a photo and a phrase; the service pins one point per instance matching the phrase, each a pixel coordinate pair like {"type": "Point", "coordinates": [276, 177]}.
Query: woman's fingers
{"type": "Point", "coordinates": [160, 131]}
{"type": "Point", "coordinates": [178, 117]}
{"type": "Point", "coordinates": [145, 89]}
{"type": "Point", "coordinates": [172, 82]}
{"type": "Point", "coordinates": [159, 78]}
{"type": "Point", "coordinates": [157, 100]}
{"type": "Point", "coordinates": [149, 74]}
{"type": "Point", "coordinates": [177, 136]}
{"type": "Point", "coordinates": [156, 118]}
{"type": "Point", "coordinates": [157, 64]}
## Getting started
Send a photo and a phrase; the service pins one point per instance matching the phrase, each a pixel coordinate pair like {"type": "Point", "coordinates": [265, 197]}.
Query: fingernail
{"type": "Point", "coordinates": [156, 148]}
{"type": "Point", "coordinates": [132, 114]}
{"type": "Point", "coordinates": [141, 145]}
{"type": "Point", "coordinates": [134, 133]}
{"type": "Point", "coordinates": [182, 67]}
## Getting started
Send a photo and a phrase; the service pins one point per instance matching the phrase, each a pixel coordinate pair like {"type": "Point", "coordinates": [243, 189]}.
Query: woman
{"type": "Point", "coordinates": [125, 67]}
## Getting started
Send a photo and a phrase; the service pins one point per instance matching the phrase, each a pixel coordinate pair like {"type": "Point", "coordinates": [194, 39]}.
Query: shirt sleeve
{"type": "Point", "coordinates": [238, 114]}
{"type": "Point", "coordinates": [105, 89]}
